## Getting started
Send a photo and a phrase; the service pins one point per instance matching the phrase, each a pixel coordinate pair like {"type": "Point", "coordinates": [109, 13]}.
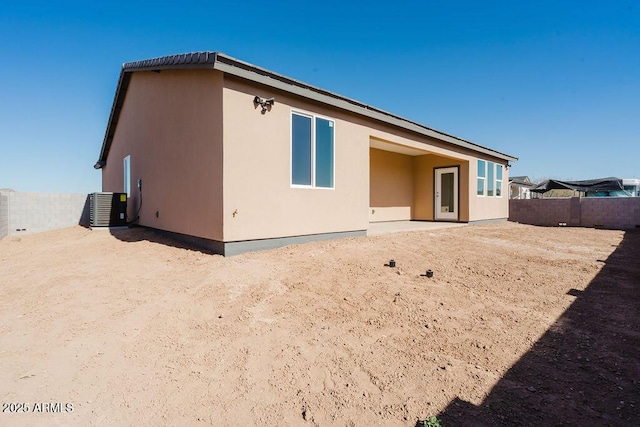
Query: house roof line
{"type": "Point", "coordinates": [245, 70]}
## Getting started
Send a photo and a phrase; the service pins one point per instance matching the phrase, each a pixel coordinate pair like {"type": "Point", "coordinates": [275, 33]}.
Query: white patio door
{"type": "Point", "coordinates": [446, 192]}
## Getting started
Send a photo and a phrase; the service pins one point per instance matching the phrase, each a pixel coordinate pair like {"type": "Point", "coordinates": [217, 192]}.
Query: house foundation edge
{"type": "Point", "coordinates": [236, 248]}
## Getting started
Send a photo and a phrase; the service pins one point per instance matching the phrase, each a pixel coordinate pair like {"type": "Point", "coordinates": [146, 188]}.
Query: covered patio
{"type": "Point", "coordinates": [408, 183]}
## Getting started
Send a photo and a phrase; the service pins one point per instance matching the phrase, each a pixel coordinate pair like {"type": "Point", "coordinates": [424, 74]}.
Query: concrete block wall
{"type": "Point", "coordinates": [4, 215]}
{"type": "Point", "coordinates": [611, 212]}
{"type": "Point", "coordinates": [620, 213]}
{"type": "Point", "coordinates": [29, 213]}
{"type": "Point", "coordinates": [549, 212]}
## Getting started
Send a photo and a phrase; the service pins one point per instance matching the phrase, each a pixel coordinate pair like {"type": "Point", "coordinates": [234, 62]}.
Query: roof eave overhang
{"type": "Point", "coordinates": [186, 61]}
{"type": "Point", "coordinates": [244, 70]}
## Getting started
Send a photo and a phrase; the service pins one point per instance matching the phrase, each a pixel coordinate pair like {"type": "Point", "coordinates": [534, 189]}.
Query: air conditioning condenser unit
{"type": "Point", "coordinates": [108, 209]}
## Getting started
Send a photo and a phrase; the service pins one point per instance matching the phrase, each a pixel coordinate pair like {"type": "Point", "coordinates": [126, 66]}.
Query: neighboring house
{"type": "Point", "coordinates": [519, 187]}
{"type": "Point", "coordinates": [241, 158]}
{"type": "Point", "coordinates": [599, 187]}
{"type": "Point", "coordinates": [630, 188]}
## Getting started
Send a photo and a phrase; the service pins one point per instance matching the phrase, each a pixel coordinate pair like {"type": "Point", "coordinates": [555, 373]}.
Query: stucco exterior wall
{"type": "Point", "coordinates": [213, 166]}
{"type": "Point", "coordinates": [435, 154]}
{"type": "Point", "coordinates": [391, 186]}
{"type": "Point", "coordinates": [171, 126]}
{"type": "Point", "coordinates": [482, 208]}
{"type": "Point", "coordinates": [260, 202]}
{"type": "Point", "coordinates": [258, 197]}
{"type": "Point", "coordinates": [424, 176]}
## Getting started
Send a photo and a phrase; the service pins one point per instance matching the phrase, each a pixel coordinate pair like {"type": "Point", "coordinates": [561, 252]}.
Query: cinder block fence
{"type": "Point", "coordinates": [4, 215]}
{"type": "Point", "coordinates": [619, 213]}
{"type": "Point", "coordinates": [27, 213]}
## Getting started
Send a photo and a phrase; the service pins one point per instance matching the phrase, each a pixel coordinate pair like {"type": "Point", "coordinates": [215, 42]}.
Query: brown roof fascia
{"type": "Point", "coordinates": [230, 65]}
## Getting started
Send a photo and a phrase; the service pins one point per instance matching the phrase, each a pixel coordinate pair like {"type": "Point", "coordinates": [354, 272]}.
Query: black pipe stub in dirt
{"type": "Point", "coordinates": [392, 263]}
{"type": "Point", "coordinates": [429, 273]}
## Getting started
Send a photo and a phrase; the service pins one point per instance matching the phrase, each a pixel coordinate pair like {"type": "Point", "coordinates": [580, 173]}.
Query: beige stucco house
{"type": "Point", "coordinates": [235, 157]}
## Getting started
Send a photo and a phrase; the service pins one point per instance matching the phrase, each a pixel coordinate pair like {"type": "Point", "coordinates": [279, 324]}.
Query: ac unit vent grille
{"type": "Point", "coordinates": [108, 209]}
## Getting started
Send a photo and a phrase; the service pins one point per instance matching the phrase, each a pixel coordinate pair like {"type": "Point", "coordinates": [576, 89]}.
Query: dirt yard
{"type": "Point", "coordinates": [519, 325]}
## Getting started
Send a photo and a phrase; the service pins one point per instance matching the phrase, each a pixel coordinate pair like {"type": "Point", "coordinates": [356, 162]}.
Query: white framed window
{"type": "Point", "coordinates": [126, 166]}
{"type": "Point", "coordinates": [482, 177]}
{"type": "Point", "coordinates": [489, 181]}
{"type": "Point", "coordinates": [312, 151]}
{"type": "Point", "coordinates": [490, 178]}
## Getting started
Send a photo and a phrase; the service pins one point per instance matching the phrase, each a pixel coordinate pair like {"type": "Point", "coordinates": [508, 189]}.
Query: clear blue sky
{"type": "Point", "coordinates": [555, 83]}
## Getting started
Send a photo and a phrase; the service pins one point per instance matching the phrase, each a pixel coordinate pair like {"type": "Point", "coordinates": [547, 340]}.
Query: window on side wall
{"type": "Point", "coordinates": [127, 175]}
{"type": "Point", "coordinates": [312, 151]}
{"type": "Point", "coordinates": [482, 177]}
{"type": "Point", "coordinates": [489, 179]}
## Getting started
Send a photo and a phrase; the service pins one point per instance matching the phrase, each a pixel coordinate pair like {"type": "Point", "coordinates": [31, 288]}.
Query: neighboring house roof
{"type": "Point", "coordinates": [522, 181]}
{"type": "Point", "coordinates": [600, 184]}
{"type": "Point", "coordinates": [229, 65]}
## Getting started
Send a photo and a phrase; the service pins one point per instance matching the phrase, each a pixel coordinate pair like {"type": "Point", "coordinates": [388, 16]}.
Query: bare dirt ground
{"type": "Point", "coordinates": [519, 325]}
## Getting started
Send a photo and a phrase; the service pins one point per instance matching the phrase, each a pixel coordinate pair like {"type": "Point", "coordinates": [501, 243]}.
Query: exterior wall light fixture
{"type": "Point", "coordinates": [266, 104]}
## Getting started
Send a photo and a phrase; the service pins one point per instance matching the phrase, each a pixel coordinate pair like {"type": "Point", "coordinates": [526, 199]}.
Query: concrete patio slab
{"type": "Point", "coordinates": [377, 228]}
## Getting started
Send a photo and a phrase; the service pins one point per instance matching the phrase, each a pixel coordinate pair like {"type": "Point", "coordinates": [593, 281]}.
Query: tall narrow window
{"type": "Point", "coordinates": [127, 175]}
{"type": "Point", "coordinates": [312, 151]}
{"type": "Point", "coordinates": [301, 148]}
{"type": "Point", "coordinates": [490, 178]}
{"type": "Point", "coordinates": [324, 153]}
{"type": "Point", "coordinates": [498, 180]}
{"type": "Point", "coordinates": [482, 177]}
